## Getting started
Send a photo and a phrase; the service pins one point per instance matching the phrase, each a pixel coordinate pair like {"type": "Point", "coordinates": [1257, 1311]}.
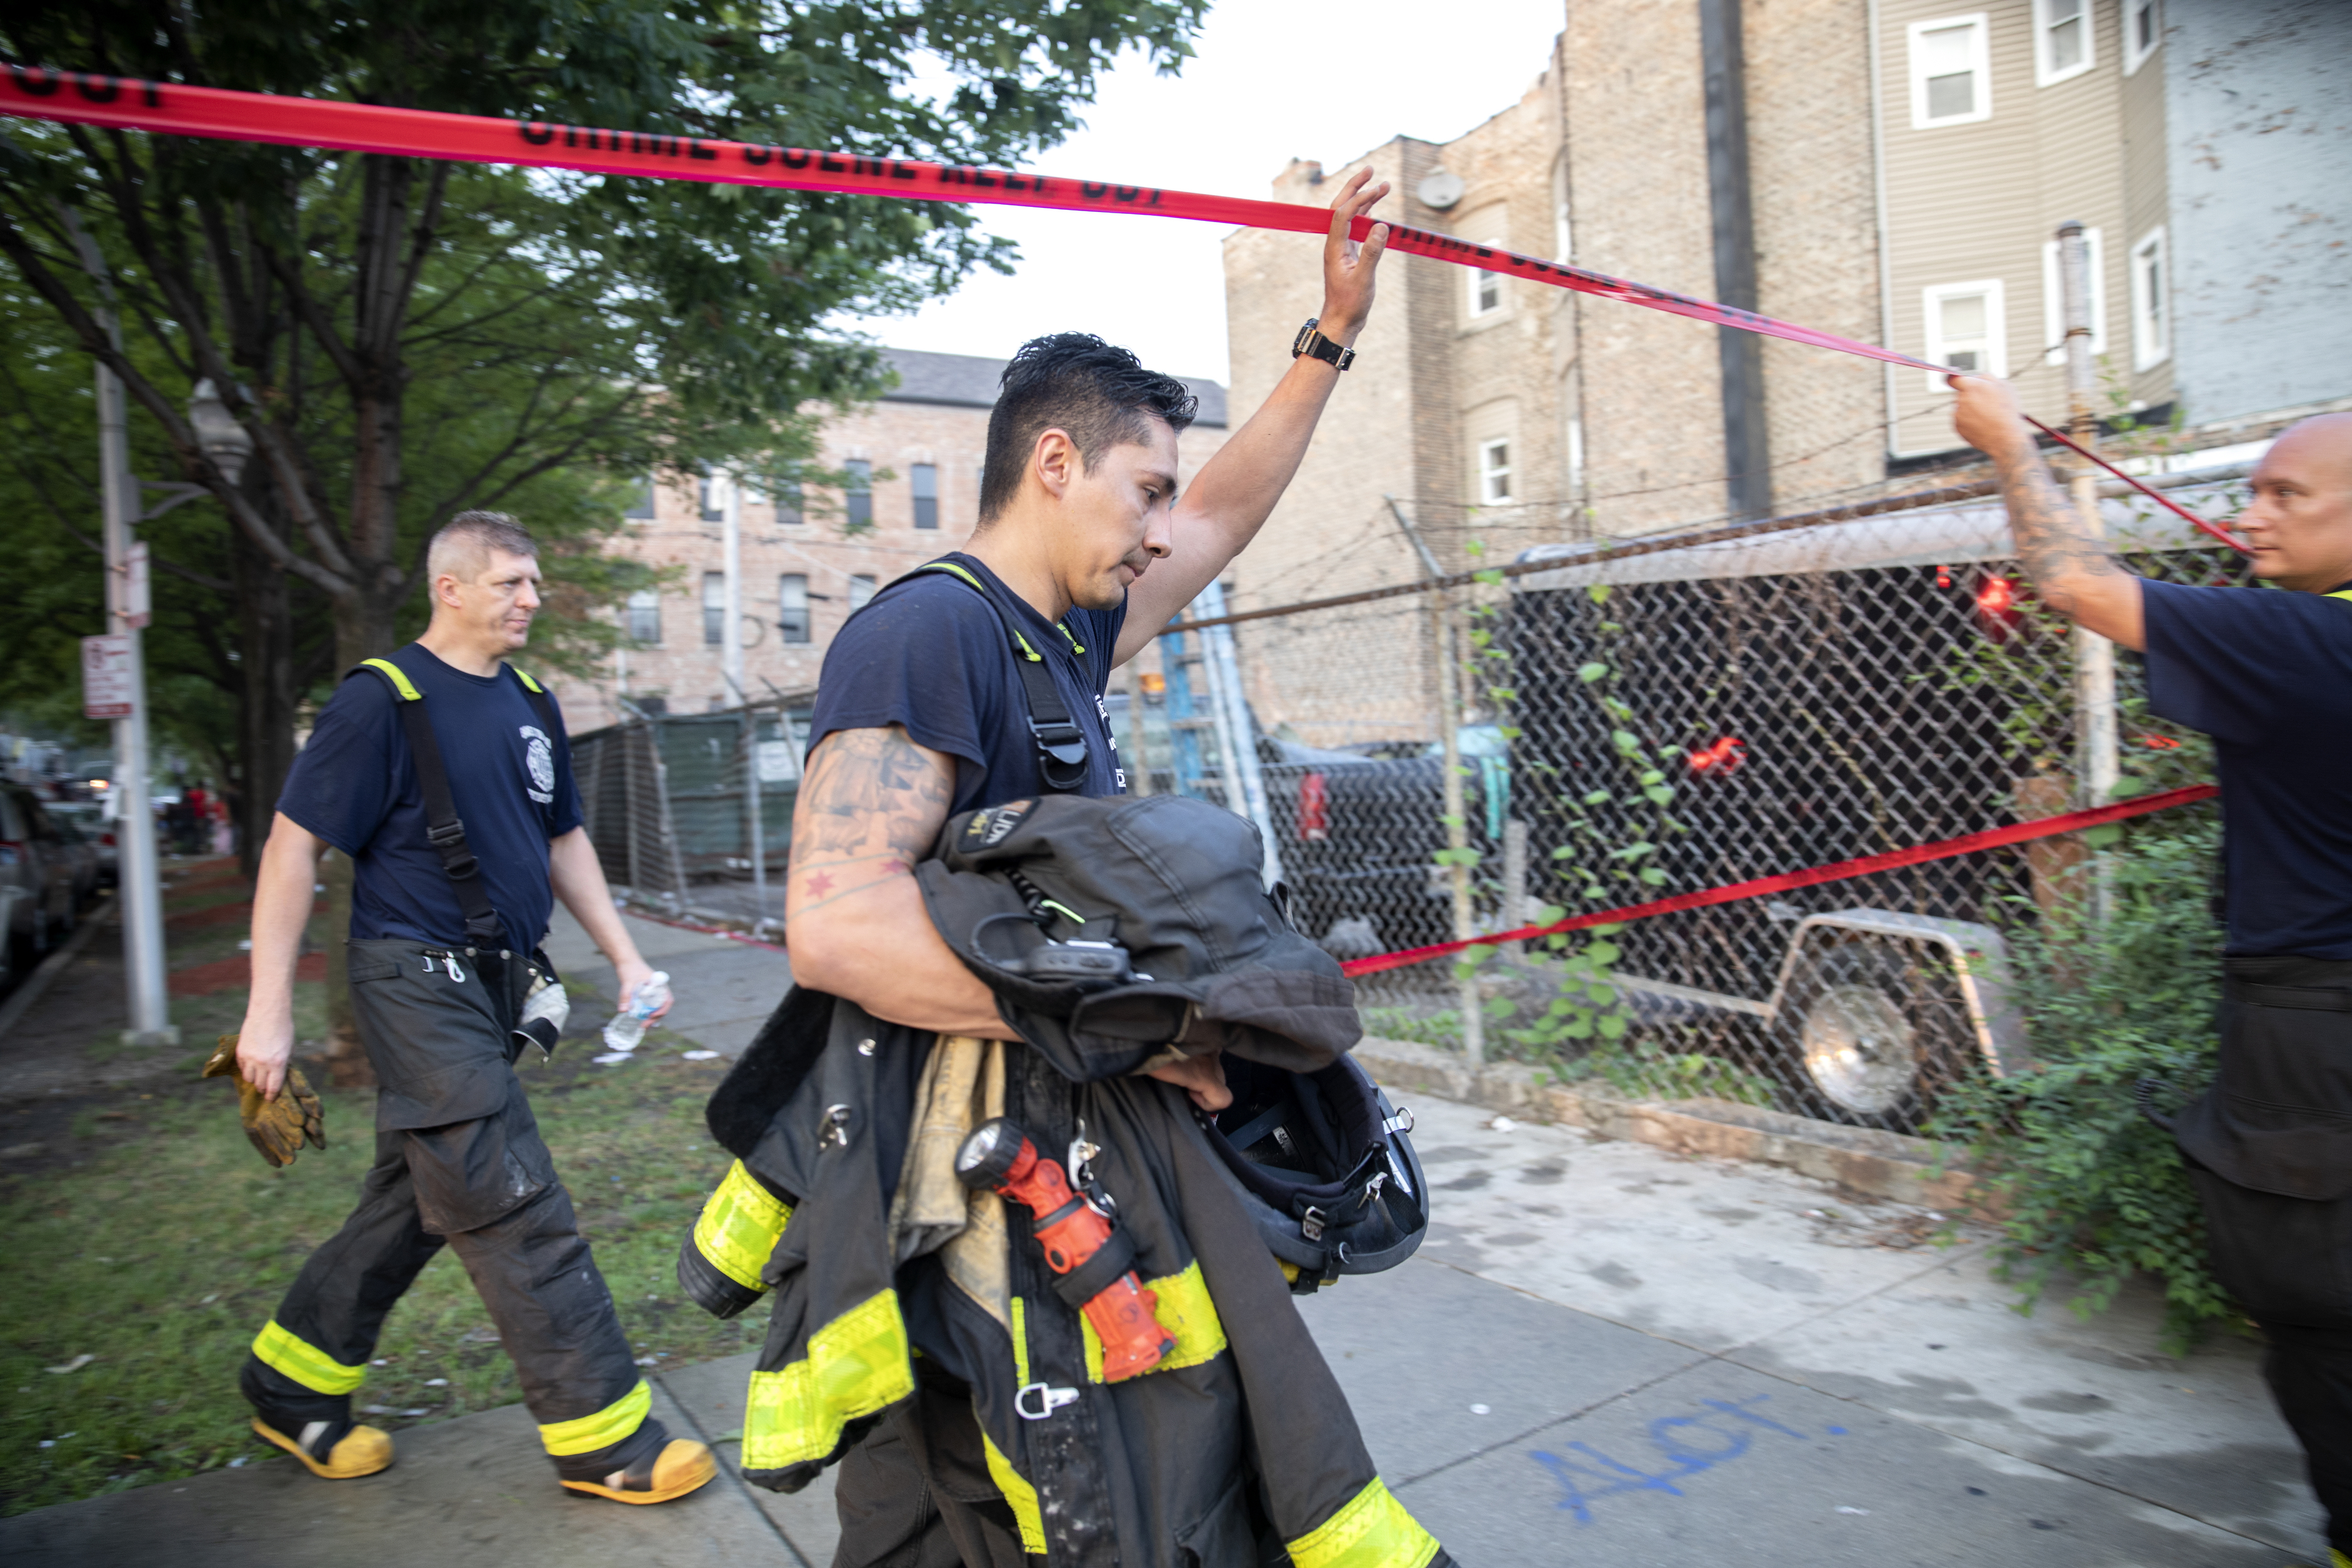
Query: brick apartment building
{"type": "Point", "coordinates": [805, 567]}
{"type": "Point", "coordinates": [1889, 170]}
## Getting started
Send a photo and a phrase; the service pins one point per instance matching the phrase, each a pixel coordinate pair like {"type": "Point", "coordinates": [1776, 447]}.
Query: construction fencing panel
{"type": "Point", "coordinates": [1629, 719]}
{"type": "Point", "coordinates": [692, 814]}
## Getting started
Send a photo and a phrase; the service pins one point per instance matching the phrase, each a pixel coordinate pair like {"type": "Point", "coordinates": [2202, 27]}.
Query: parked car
{"type": "Point", "coordinates": [89, 818]}
{"type": "Point", "coordinates": [78, 833]}
{"type": "Point", "coordinates": [40, 865]}
{"type": "Point", "coordinates": [1359, 834]}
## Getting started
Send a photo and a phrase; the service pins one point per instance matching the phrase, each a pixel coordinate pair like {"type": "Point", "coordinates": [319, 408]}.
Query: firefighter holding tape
{"type": "Point", "coordinates": [2268, 675]}
{"type": "Point", "coordinates": [445, 776]}
{"type": "Point", "coordinates": [1027, 1298]}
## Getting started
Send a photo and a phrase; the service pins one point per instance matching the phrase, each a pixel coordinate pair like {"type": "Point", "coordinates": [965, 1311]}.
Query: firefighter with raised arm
{"type": "Point", "coordinates": [2268, 675]}
{"type": "Point", "coordinates": [1028, 1294]}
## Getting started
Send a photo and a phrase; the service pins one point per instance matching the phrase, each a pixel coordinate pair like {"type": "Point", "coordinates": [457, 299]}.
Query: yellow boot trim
{"type": "Point", "coordinates": [1185, 1311]}
{"type": "Point", "coordinates": [857, 1364]}
{"type": "Point", "coordinates": [305, 1364]}
{"type": "Point", "coordinates": [1021, 1495]}
{"type": "Point", "coordinates": [741, 1223]}
{"type": "Point", "coordinates": [604, 1428]}
{"type": "Point", "coordinates": [1372, 1531]}
{"type": "Point", "coordinates": [683, 1465]}
{"type": "Point", "coordinates": [362, 1451]}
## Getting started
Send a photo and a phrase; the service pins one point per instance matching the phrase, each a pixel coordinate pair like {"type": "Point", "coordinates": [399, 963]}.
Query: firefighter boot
{"type": "Point", "coordinates": [333, 1455]}
{"type": "Point", "coordinates": [653, 1467]}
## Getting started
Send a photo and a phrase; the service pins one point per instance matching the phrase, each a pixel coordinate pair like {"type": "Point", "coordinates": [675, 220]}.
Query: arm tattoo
{"type": "Point", "coordinates": [2050, 539]}
{"type": "Point", "coordinates": [869, 808]}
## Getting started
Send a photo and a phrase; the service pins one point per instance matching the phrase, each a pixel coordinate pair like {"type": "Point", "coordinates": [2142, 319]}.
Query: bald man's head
{"type": "Point", "coordinates": [2300, 521]}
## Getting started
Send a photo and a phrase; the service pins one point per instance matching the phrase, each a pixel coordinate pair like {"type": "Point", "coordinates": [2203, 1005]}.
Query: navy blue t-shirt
{"type": "Point", "coordinates": [930, 653]}
{"type": "Point", "coordinates": [354, 786]}
{"type": "Point", "coordinates": [2269, 676]}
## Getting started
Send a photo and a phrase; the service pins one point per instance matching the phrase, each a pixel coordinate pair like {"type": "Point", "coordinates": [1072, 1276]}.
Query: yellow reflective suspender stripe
{"type": "Point", "coordinates": [1021, 1495]}
{"type": "Point", "coordinates": [305, 1364]}
{"type": "Point", "coordinates": [857, 1364]}
{"type": "Point", "coordinates": [1372, 1531]}
{"type": "Point", "coordinates": [601, 1430]}
{"type": "Point", "coordinates": [524, 675]}
{"type": "Point", "coordinates": [1184, 1310]}
{"type": "Point", "coordinates": [1075, 646]}
{"type": "Point", "coordinates": [1021, 1341]}
{"type": "Point", "coordinates": [1030, 654]}
{"type": "Point", "coordinates": [739, 1225]}
{"type": "Point", "coordinates": [399, 679]}
{"type": "Point", "coordinates": [2345, 594]}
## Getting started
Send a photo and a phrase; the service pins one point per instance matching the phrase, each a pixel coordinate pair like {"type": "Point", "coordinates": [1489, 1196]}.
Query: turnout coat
{"type": "Point", "coordinates": [1238, 1447]}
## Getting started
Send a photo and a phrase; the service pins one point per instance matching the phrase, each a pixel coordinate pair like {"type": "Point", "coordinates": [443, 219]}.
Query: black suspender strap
{"type": "Point", "coordinates": [1061, 744]}
{"type": "Point", "coordinates": [442, 829]}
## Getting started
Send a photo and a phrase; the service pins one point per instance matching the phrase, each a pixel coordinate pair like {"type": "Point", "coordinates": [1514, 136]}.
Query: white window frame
{"type": "Point", "coordinates": [1479, 278]}
{"type": "Point", "coordinates": [1491, 473]}
{"type": "Point", "coordinates": [2151, 317]}
{"type": "Point", "coordinates": [1931, 299]}
{"type": "Point", "coordinates": [714, 609]}
{"type": "Point", "coordinates": [2044, 73]}
{"type": "Point", "coordinates": [1980, 64]}
{"type": "Point", "coordinates": [2054, 299]}
{"type": "Point", "coordinates": [643, 609]}
{"type": "Point", "coordinates": [2134, 56]}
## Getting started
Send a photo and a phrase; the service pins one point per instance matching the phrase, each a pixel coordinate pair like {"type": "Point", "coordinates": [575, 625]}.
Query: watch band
{"type": "Point", "coordinates": [1313, 344]}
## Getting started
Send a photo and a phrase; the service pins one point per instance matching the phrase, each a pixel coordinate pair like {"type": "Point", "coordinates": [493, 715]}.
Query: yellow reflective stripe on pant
{"type": "Point", "coordinates": [739, 1225]}
{"type": "Point", "coordinates": [1021, 1495]}
{"type": "Point", "coordinates": [604, 1428]}
{"type": "Point", "coordinates": [1184, 1310]}
{"type": "Point", "coordinates": [305, 1364]}
{"type": "Point", "coordinates": [1372, 1531]}
{"type": "Point", "coordinates": [857, 1364]}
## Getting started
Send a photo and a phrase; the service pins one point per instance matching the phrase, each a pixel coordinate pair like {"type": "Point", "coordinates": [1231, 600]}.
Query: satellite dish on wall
{"type": "Point", "coordinates": [1440, 190]}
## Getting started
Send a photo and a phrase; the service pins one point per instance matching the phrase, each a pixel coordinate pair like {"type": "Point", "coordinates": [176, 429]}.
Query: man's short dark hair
{"type": "Point", "coordinates": [463, 547]}
{"type": "Point", "coordinates": [1074, 382]}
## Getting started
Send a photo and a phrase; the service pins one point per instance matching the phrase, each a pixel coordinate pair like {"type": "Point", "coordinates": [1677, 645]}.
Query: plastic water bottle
{"type": "Point", "coordinates": [628, 1026]}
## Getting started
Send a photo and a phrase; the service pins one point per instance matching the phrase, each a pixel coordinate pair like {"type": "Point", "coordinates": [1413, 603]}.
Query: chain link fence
{"type": "Point", "coordinates": [1591, 725]}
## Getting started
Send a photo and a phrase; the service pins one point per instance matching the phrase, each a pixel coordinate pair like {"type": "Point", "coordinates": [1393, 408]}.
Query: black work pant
{"type": "Point", "coordinates": [2285, 1088]}
{"type": "Point", "coordinates": [459, 1163]}
{"type": "Point", "coordinates": [916, 1492]}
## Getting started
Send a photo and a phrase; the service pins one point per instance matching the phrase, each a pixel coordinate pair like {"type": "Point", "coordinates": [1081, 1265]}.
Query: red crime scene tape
{"type": "Point", "coordinates": [1812, 876]}
{"type": "Point", "coordinates": [88, 98]}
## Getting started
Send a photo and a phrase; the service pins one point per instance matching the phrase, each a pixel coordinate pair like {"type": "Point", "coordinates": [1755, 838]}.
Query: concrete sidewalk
{"type": "Point", "coordinates": [1605, 1353]}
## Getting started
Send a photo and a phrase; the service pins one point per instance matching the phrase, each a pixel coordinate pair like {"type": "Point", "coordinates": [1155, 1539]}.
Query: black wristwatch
{"type": "Point", "coordinates": [1311, 342]}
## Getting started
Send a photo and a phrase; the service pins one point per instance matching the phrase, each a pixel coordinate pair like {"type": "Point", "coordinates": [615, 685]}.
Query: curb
{"type": "Point", "coordinates": [1915, 1171]}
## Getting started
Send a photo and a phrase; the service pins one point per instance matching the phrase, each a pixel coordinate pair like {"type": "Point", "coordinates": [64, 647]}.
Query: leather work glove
{"type": "Point", "coordinates": [278, 1128]}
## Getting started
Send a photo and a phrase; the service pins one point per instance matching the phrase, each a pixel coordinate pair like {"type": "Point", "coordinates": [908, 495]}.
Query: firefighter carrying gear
{"type": "Point", "coordinates": [278, 1126]}
{"type": "Point", "coordinates": [1009, 1435]}
{"type": "Point", "coordinates": [359, 1451]}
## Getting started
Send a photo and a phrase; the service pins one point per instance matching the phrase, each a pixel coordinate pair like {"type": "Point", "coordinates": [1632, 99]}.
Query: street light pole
{"type": "Point", "coordinates": [142, 898]}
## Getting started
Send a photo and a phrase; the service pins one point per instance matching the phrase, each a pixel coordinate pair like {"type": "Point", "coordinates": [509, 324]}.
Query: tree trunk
{"type": "Point", "coordinates": [363, 626]}
{"type": "Point", "coordinates": [266, 710]}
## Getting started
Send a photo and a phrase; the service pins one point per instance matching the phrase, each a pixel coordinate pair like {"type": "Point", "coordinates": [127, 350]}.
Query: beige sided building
{"type": "Point", "coordinates": [803, 571]}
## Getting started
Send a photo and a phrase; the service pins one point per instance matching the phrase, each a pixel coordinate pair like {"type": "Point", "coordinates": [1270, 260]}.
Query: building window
{"type": "Point", "coordinates": [714, 609]}
{"type": "Point", "coordinates": [2054, 299]}
{"type": "Point", "coordinates": [926, 495]}
{"type": "Point", "coordinates": [1494, 472]}
{"type": "Point", "coordinates": [1951, 75]}
{"type": "Point", "coordinates": [644, 617]}
{"type": "Point", "coordinates": [860, 492]}
{"type": "Point", "coordinates": [641, 505]}
{"type": "Point", "coordinates": [2151, 306]}
{"type": "Point", "coordinates": [1966, 326]}
{"type": "Point", "coordinates": [1562, 237]}
{"type": "Point", "coordinates": [861, 591]}
{"type": "Point", "coordinates": [2143, 30]}
{"type": "Point", "coordinates": [793, 608]}
{"type": "Point", "coordinates": [714, 500]}
{"type": "Point", "coordinates": [789, 509]}
{"type": "Point", "coordinates": [2061, 40]}
{"type": "Point", "coordinates": [1486, 287]}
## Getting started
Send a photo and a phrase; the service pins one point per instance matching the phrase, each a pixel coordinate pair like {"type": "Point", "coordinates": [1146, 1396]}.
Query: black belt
{"type": "Point", "coordinates": [2309, 998]}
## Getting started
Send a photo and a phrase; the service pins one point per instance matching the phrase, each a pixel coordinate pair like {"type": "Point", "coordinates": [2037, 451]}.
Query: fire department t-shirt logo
{"type": "Point", "coordinates": [539, 757]}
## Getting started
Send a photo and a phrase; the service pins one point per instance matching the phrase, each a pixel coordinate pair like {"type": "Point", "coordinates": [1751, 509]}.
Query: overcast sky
{"type": "Point", "coordinates": [1271, 80]}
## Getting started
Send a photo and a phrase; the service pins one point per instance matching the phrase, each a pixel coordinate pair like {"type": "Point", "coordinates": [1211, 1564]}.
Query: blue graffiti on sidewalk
{"type": "Point", "coordinates": [1689, 1443]}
